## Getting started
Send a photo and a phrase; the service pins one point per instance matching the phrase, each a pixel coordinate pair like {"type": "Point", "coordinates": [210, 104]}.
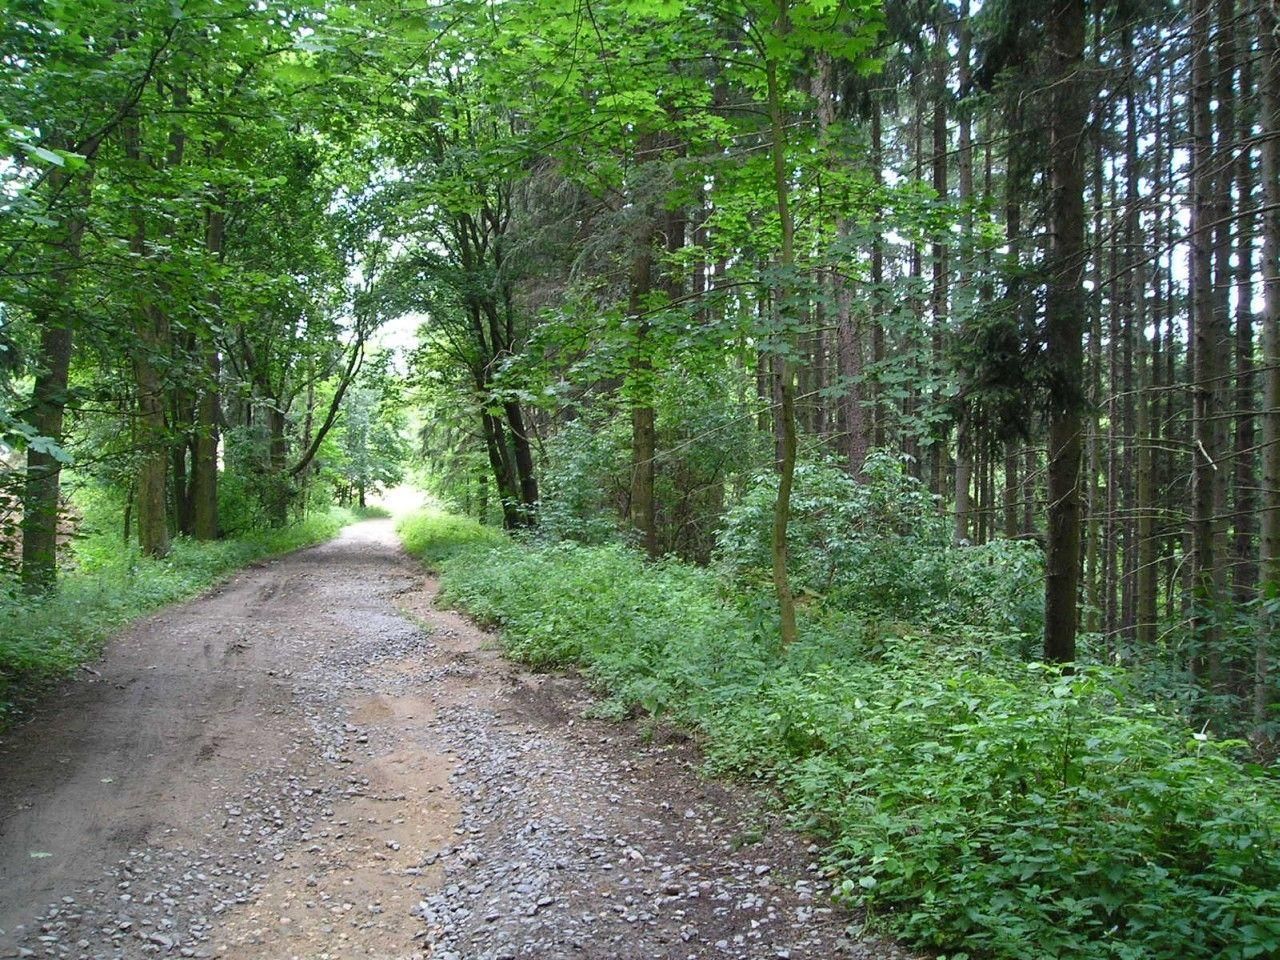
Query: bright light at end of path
{"type": "Point", "coordinates": [402, 499]}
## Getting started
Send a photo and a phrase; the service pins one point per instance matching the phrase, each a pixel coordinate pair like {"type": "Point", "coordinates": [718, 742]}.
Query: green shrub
{"type": "Point", "coordinates": [587, 474]}
{"type": "Point", "coordinates": [971, 801]}
{"type": "Point", "coordinates": [43, 638]}
{"type": "Point", "coordinates": [880, 546]}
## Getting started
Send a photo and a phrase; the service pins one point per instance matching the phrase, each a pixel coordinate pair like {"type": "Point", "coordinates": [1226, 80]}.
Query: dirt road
{"type": "Point", "coordinates": [314, 762]}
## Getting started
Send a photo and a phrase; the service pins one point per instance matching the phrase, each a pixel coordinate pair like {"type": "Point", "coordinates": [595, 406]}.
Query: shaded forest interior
{"type": "Point", "coordinates": [949, 319]}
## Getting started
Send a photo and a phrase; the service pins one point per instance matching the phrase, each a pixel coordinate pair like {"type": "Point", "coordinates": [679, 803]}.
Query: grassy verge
{"type": "Point", "coordinates": [42, 639]}
{"type": "Point", "coordinates": [434, 535]}
{"type": "Point", "coordinates": [972, 802]}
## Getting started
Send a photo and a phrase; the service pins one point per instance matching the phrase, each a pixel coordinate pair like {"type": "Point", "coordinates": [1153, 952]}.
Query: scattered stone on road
{"type": "Point", "coordinates": [314, 762]}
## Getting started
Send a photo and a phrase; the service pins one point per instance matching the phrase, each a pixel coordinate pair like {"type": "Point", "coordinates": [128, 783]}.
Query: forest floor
{"type": "Point", "coordinates": [313, 761]}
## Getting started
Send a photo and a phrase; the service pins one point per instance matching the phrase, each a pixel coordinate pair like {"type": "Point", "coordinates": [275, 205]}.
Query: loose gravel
{"type": "Point", "coordinates": [315, 762]}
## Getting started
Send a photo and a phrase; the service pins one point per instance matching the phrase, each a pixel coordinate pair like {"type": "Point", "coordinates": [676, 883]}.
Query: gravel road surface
{"type": "Point", "coordinates": [313, 761]}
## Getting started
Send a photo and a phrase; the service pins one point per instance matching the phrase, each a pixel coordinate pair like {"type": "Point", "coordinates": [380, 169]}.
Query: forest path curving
{"type": "Point", "coordinates": [314, 761]}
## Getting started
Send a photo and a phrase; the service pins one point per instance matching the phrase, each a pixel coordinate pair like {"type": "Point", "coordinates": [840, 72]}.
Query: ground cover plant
{"type": "Point", "coordinates": [972, 802]}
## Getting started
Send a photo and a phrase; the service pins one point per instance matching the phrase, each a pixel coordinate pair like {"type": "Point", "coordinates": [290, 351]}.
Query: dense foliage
{"type": "Point", "coordinates": [973, 802]}
{"type": "Point", "coordinates": [840, 365]}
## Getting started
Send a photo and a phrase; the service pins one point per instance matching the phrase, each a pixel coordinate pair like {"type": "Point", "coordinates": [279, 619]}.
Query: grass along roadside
{"type": "Point", "coordinates": [45, 638]}
{"type": "Point", "coordinates": [974, 803]}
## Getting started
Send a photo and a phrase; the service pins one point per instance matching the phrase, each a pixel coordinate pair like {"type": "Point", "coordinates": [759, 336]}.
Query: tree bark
{"type": "Point", "coordinates": [1208, 341]}
{"type": "Point", "coordinates": [204, 459]}
{"type": "Point", "coordinates": [878, 415]}
{"type": "Point", "coordinates": [1245, 571]}
{"type": "Point", "coordinates": [42, 489]}
{"type": "Point", "coordinates": [852, 433]}
{"type": "Point", "coordinates": [524, 462]}
{"type": "Point", "coordinates": [781, 369]}
{"type": "Point", "coordinates": [1269, 519]}
{"type": "Point", "coordinates": [964, 430]}
{"type": "Point", "coordinates": [644, 432]}
{"type": "Point", "coordinates": [150, 334]}
{"type": "Point", "coordinates": [41, 492]}
{"type": "Point", "coordinates": [938, 304]}
{"type": "Point", "coordinates": [1064, 315]}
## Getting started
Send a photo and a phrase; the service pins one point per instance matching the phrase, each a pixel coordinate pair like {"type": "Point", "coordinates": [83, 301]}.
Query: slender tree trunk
{"type": "Point", "coordinates": [1012, 488]}
{"type": "Point", "coordinates": [912, 402]}
{"type": "Point", "coordinates": [1114, 537]}
{"type": "Point", "coordinates": [964, 443]}
{"type": "Point", "coordinates": [878, 413]}
{"type": "Point", "coordinates": [1095, 517]}
{"type": "Point", "coordinates": [785, 413]}
{"type": "Point", "coordinates": [503, 472]}
{"type": "Point", "coordinates": [204, 458]}
{"type": "Point", "coordinates": [852, 428]}
{"type": "Point", "coordinates": [1208, 344]}
{"type": "Point", "coordinates": [1144, 556]}
{"type": "Point", "coordinates": [1269, 554]}
{"type": "Point", "coordinates": [277, 463]}
{"type": "Point", "coordinates": [1230, 671]}
{"type": "Point", "coordinates": [1030, 507]}
{"type": "Point", "coordinates": [939, 303]}
{"type": "Point", "coordinates": [1245, 572]}
{"type": "Point", "coordinates": [644, 434]}
{"type": "Point", "coordinates": [523, 461]}
{"type": "Point", "coordinates": [1014, 491]}
{"type": "Point", "coordinates": [1064, 321]}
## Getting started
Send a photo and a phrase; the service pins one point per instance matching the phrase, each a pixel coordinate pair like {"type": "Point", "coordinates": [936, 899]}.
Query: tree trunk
{"type": "Point", "coordinates": [938, 304]}
{"type": "Point", "coordinates": [277, 460]}
{"type": "Point", "coordinates": [1269, 553]}
{"type": "Point", "coordinates": [911, 402]}
{"type": "Point", "coordinates": [153, 515]}
{"type": "Point", "coordinates": [204, 455]}
{"type": "Point", "coordinates": [878, 415]}
{"type": "Point", "coordinates": [852, 438]}
{"type": "Point", "coordinates": [1064, 315]}
{"type": "Point", "coordinates": [503, 472]}
{"type": "Point", "coordinates": [1208, 341]}
{"type": "Point", "coordinates": [41, 493]}
{"type": "Point", "coordinates": [150, 333]}
{"type": "Point", "coordinates": [1245, 572]}
{"type": "Point", "coordinates": [964, 430]}
{"type": "Point", "coordinates": [644, 431]}
{"type": "Point", "coordinates": [1011, 489]}
{"type": "Point", "coordinates": [785, 413]}
{"type": "Point", "coordinates": [524, 463]}
{"type": "Point", "coordinates": [1144, 554]}
{"type": "Point", "coordinates": [1096, 528]}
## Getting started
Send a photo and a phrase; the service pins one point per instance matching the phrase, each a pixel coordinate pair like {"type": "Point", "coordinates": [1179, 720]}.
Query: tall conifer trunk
{"type": "Point", "coordinates": [785, 411]}
{"type": "Point", "coordinates": [1269, 554]}
{"type": "Point", "coordinates": [644, 433]}
{"type": "Point", "coordinates": [1064, 323]}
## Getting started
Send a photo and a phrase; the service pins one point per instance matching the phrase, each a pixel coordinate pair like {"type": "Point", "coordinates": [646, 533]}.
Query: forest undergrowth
{"type": "Point", "coordinates": [107, 584]}
{"type": "Point", "coordinates": [971, 801]}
